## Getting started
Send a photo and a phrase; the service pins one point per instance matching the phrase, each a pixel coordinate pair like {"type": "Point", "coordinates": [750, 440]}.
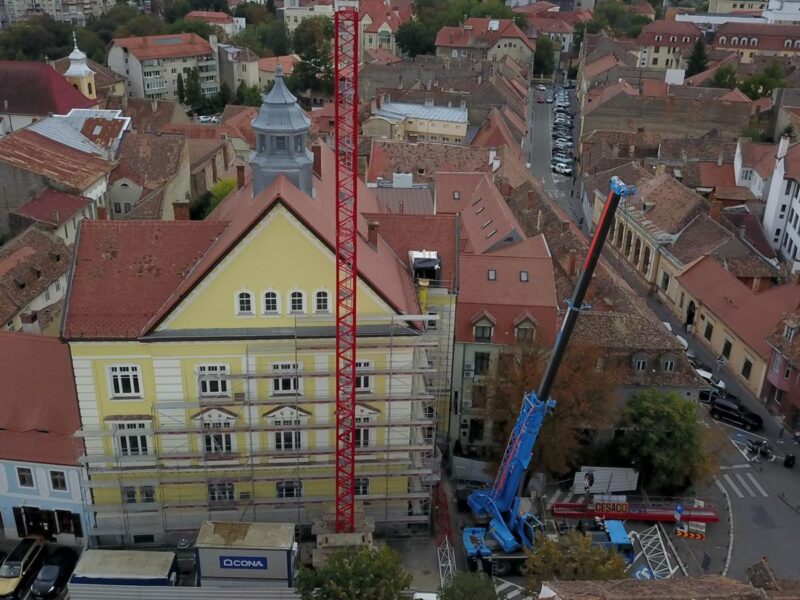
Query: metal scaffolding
{"type": "Point", "coordinates": [403, 416]}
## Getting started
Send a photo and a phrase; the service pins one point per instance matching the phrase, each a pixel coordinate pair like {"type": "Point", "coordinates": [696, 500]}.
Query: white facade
{"type": "Point", "coordinates": [294, 14]}
{"type": "Point", "coordinates": [782, 11]}
{"type": "Point", "coordinates": [157, 79]}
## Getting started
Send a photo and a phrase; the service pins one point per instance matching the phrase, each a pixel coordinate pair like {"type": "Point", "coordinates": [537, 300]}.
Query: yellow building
{"type": "Point", "coordinates": [417, 122]}
{"type": "Point", "coordinates": [204, 357]}
{"type": "Point", "coordinates": [79, 74]}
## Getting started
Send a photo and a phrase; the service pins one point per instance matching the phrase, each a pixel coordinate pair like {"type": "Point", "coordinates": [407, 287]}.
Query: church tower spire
{"type": "Point", "coordinates": [79, 74]}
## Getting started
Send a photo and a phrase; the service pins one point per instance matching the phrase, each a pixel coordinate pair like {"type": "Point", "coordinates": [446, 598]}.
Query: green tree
{"type": "Point", "coordinates": [416, 37]}
{"type": "Point", "coordinates": [225, 94]}
{"type": "Point", "coordinates": [544, 59]}
{"type": "Point", "coordinates": [204, 30]}
{"type": "Point", "coordinates": [364, 573]}
{"type": "Point", "coordinates": [248, 95]}
{"type": "Point", "coordinates": [725, 77]}
{"type": "Point", "coordinates": [311, 34]}
{"type": "Point", "coordinates": [315, 70]}
{"type": "Point", "coordinates": [789, 131]}
{"type": "Point", "coordinates": [181, 89]}
{"type": "Point", "coordinates": [271, 6]}
{"type": "Point", "coordinates": [218, 194]}
{"type": "Point", "coordinates": [578, 35]}
{"type": "Point", "coordinates": [698, 60]}
{"type": "Point", "coordinates": [572, 557]}
{"type": "Point", "coordinates": [277, 37]}
{"type": "Point", "coordinates": [762, 83]}
{"type": "Point", "coordinates": [140, 26]}
{"type": "Point", "coordinates": [664, 440]}
{"type": "Point", "coordinates": [193, 90]}
{"type": "Point", "coordinates": [469, 586]}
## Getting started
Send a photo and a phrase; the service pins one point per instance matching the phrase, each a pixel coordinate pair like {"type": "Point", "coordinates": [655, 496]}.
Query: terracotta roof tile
{"type": "Point", "coordinates": [598, 66]}
{"type": "Point", "coordinates": [409, 201]}
{"type": "Point", "coordinates": [759, 157]}
{"type": "Point", "coordinates": [146, 115]}
{"type": "Point", "coordinates": [423, 159]}
{"type": "Point", "coordinates": [34, 88]}
{"type": "Point", "coordinates": [287, 62]}
{"type": "Point", "coordinates": [685, 34]}
{"type": "Point", "coordinates": [750, 316]}
{"type": "Point", "coordinates": [475, 33]}
{"type": "Point", "coordinates": [670, 206]}
{"type": "Point", "coordinates": [29, 263]}
{"type": "Point", "coordinates": [709, 147]}
{"type": "Point", "coordinates": [62, 165]}
{"type": "Point", "coordinates": [380, 56]}
{"type": "Point", "coordinates": [150, 207]}
{"type": "Point", "coordinates": [40, 414]}
{"type": "Point", "coordinates": [714, 175]}
{"type": "Point", "coordinates": [242, 130]}
{"type": "Point", "coordinates": [536, 8]}
{"type": "Point", "coordinates": [209, 16]}
{"type": "Point", "coordinates": [149, 159]}
{"type": "Point", "coordinates": [53, 207]}
{"type": "Point", "coordinates": [494, 133]}
{"type": "Point", "coordinates": [770, 36]}
{"type": "Point", "coordinates": [788, 348]}
{"type": "Point", "coordinates": [382, 13]}
{"type": "Point", "coordinates": [174, 45]}
{"type": "Point", "coordinates": [241, 124]}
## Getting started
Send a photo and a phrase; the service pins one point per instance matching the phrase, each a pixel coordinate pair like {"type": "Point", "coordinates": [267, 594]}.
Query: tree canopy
{"type": "Point", "coordinates": [469, 586]}
{"type": "Point", "coordinates": [762, 83]}
{"type": "Point", "coordinates": [665, 441]}
{"type": "Point", "coordinates": [364, 573]}
{"type": "Point", "coordinates": [725, 77]}
{"type": "Point", "coordinates": [585, 396]}
{"type": "Point", "coordinates": [544, 59]}
{"type": "Point", "coordinates": [312, 41]}
{"type": "Point", "coordinates": [572, 557]}
{"type": "Point", "coordinates": [698, 60]}
{"type": "Point", "coordinates": [618, 17]}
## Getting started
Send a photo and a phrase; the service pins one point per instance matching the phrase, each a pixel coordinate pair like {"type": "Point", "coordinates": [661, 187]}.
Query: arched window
{"type": "Point", "coordinates": [734, 41]}
{"type": "Point", "coordinates": [787, 44]}
{"type": "Point", "coordinates": [753, 41]}
{"type": "Point", "coordinates": [244, 303]}
{"type": "Point", "coordinates": [271, 303]}
{"type": "Point", "coordinates": [797, 43]}
{"type": "Point", "coordinates": [658, 38]}
{"type": "Point", "coordinates": [297, 302]}
{"type": "Point", "coordinates": [722, 39]}
{"type": "Point", "coordinates": [744, 41]}
{"type": "Point", "coordinates": [89, 85]}
{"type": "Point", "coordinates": [322, 302]}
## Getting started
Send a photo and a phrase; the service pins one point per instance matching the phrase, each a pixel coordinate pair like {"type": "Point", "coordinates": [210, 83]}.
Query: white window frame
{"type": "Point", "coordinates": [32, 486]}
{"type": "Point", "coordinates": [271, 313]}
{"type": "Point", "coordinates": [295, 387]}
{"type": "Point", "coordinates": [669, 365]}
{"type": "Point", "coordinates": [237, 304]}
{"type": "Point", "coordinates": [292, 437]}
{"type": "Point", "coordinates": [318, 294]}
{"type": "Point", "coordinates": [141, 430]}
{"type": "Point", "coordinates": [365, 436]}
{"type": "Point", "coordinates": [640, 364]}
{"type": "Point", "coordinates": [205, 379]}
{"type": "Point", "coordinates": [147, 494]}
{"type": "Point", "coordinates": [64, 475]}
{"type": "Point", "coordinates": [119, 372]}
{"type": "Point", "coordinates": [125, 491]}
{"type": "Point", "coordinates": [363, 382]}
{"type": "Point", "coordinates": [292, 311]}
{"type": "Point", "coordinates": [221, 492]}
{"type": "Point", "coordinates": [282, 487]}
{"type": "Point", "coordinates": [218, 436]}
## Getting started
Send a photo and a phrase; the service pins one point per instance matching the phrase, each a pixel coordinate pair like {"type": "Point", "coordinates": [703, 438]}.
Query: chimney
{"type": "Point", "coordinates": [239, 177]}
{"type": "Point", "coordinates": [402, 206]}
{"type": "Point", "coordinates": [716, 209]}
{"type": "Point", "coordinates": [539, 221]}
{"type": "Point", "coordinates": [317, 152]}
{"type": "Point", "coordinates": [154, 105]}
{"type": "Point", "coordinates": [101, 213]}
{"type": "Point", "coordinates": [572, 267]}
{"type": "Point", "coordinates": [372, 233]}
{"type": "Point", "coordinates": [615, 150]}
{"type": "Point", "coordinates": [719, 160]}
{"type": "Point", "coordinates": [564, 226]}
{"type": "Point", "coordinates": [30, 322]}
{"type": "Point", "coordinates": [742, 232]}
{"type": "Point", "coordinates": [181, 211]}
{"type": "Point", "coordinates": [783, 146]}
{"type": "Point", "coordinates": [505, 187]}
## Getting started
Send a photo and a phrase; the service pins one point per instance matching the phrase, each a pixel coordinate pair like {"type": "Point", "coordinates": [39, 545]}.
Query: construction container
{"type": "Point", "coordinates": [246, 554]}
{"type": "Point", "coordinates": [126, 568]}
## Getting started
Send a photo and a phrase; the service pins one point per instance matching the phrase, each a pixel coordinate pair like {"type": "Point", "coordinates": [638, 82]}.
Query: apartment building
{"type": "Point", "coordinates": [297, 11]}
{"type": "Point", "coordinates": [204, 357]}
{"type": "Point", "coordinates": [230, 25]}
{"type": "Point", "coordinates": [758, 39]}
{"type": "Point", "coordinates": [152, 64]}
{"type": "Point", "coordinates": [482, 39]}
{"type": "Point", "coordinates": [417, 122]}
{"type": "Point", "coordinates": [662, 44]}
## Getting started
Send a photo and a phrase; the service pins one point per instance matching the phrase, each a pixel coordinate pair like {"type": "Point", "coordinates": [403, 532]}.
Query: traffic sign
{"type": "Point", "coordinates": [644, 573]}
{"type": "Point", "coordinates": [678, 512]}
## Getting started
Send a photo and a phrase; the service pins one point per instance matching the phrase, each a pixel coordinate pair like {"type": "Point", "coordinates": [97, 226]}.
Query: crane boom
{"type": "Point", "coordinates": [501, 502]}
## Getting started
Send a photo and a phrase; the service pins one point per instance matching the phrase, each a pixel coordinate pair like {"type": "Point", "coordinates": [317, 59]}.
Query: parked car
{"type": "Point", "coordinates": [20, 566]}
{"type": "Point", "coordinates": [539, 99]}
{"type": "Point", "coordinates": [561, 168]}
{"type": "Point", "coordinates": [549, 99]}
{"type": "Point", "coordinates": [712, 379]}
{"type": "Point", "coordinates": [54, 574]}
{"type": "Point", "coordinates": [561, 157]}
{"type": "Point", "coordinates": [732, 411]}
{"type": "Point", "coordinates": [541, 88]}
{"type": "Point", "coordinates": [565, 142]}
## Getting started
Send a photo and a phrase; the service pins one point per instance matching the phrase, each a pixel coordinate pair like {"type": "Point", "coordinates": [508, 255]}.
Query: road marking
{"type": "Point", "coordinates": [513, 594]}
{"type": "Point", "coordinates": [735, 489]}
{"type": "Point", "coordinates": [502, 586]}
{"type": "Point", "coordinates": [758, 486]}
{"type": "Point", "coordinates": [747, 466]}
{"type": "Point", "coordinates": [744, 485]}
{"type": "Point", "coordinates": [553, 499]}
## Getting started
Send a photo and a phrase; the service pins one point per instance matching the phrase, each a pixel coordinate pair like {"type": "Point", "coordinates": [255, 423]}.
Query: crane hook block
{"type": "Point", "coordinates": [620, 189]}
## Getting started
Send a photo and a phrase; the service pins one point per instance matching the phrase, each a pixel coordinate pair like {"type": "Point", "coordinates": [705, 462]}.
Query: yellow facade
{"type": "Point", "coordinates": [266, 413]}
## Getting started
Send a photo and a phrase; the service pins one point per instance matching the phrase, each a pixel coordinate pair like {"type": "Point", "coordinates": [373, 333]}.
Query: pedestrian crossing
{"type": "Point", "coordinates": [742, 485]}
{"type": "Point", "coordinates": [509, 591]}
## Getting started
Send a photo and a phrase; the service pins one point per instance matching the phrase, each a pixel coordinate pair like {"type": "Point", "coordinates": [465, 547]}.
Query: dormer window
{"type": "Point", "coordinates": [658, 38]}
{"type": "Point", "coordinates": [483, 334]}
{"type": "Point", "coordinates": [788, 333]}
{"type": "Point", "coordinates": [523, 276]}
{"type": "Point", "coordinates": [492, 275]}
{"type": "Point", "coordinates": [456, 195]}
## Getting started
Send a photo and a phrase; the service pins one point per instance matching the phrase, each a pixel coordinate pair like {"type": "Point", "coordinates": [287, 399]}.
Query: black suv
{"type": "Point", "coordinates": [731, 411]}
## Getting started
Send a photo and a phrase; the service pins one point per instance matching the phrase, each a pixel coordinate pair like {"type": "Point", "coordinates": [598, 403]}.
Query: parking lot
{"type": "Point", "coordinates": [33, 564]}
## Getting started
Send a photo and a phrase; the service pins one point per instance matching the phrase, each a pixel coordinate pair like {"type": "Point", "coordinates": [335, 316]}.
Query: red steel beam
{"type": "Point", "coordinates": [346, 131]}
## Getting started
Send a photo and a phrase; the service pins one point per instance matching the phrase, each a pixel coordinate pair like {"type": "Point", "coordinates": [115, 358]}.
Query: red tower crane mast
{"type": "Point", "coordinates": [346, 131]}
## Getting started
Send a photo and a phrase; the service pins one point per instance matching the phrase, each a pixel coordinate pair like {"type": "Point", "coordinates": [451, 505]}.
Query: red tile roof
{"type": "Point", "coordinates": [423, 160]}
{"type": "Point", "coordinates": [475, 33]}
{"type": "Point", "coordinates": [380, 57]}
{"type": "Point", "coordinates": [407, 232]}
{"type": "Point", "coordinates": [508, 298]}
{"type": "Point", "coordinates": [242, 124]}
{"type": "Point", "coordinates": [40, 414]}
{"type": "Point", "coordinates": [759, 157]}
{"type": "Point", "coordinates": [149, 159]}
{"type": "Point", "coordinates": [570, 17]}
{"type": "Point", "coordinates": [287, 61]}
{"type": "Point", "coordinates": [243, 129]}
{"type": "Point", "coordinates": [381, 13]}
{"type": "Point", "coordinates": [714, 175]}
{"type": "Point", "coordinates": [685, 34]}
{"type": "Point", "coordinates": [494, 133]}
{"type": "Point", "coordinates": [35, 88]}
{"type": "Point", "coordinates": [536, 8]}
{"type": "Point", "coordinates": [60, 164]}
{"type": "Point", "coordinates": [29, 263]}
{"type": "Point", "coordinates": [53, 207]}
{"type": "Point", "coordinates": [174, 45]}
{"type": "Point", "coordinates": [549, 25]}
{"type": "Point", "coordinates": [750, 316]}
{"type": "Point", "coordinates": [209, 16]}
{"type": "Point", "coordinates": [149, 267]}
{"type": "Point", "coordinates": [769, 36]}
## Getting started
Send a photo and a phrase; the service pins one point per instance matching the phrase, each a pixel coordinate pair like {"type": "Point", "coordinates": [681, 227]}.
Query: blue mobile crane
{"type": "Point", "coordinates": [511, 528]}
